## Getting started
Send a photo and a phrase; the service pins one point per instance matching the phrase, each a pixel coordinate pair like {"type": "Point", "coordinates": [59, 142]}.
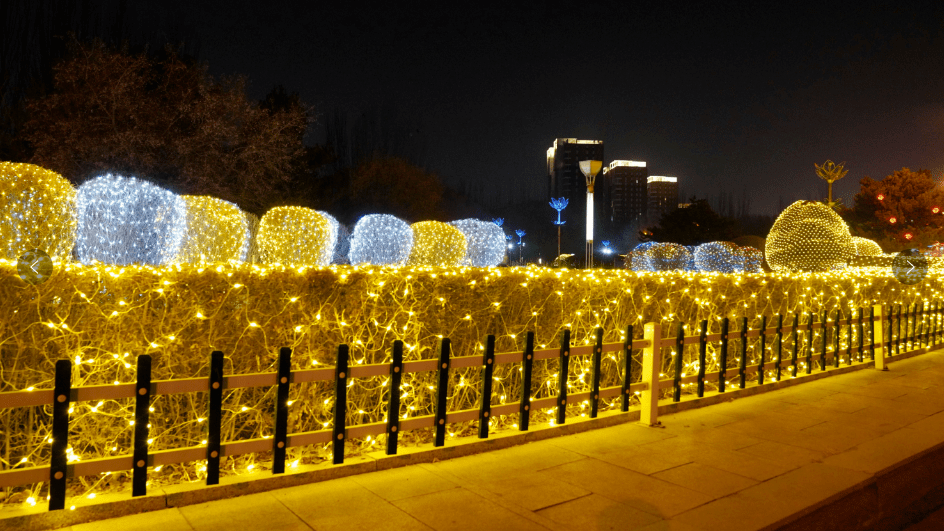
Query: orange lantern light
{"type": "Point", "coordinates": [880, 197]}
{"type": "Point", "coordinates": [936, 209]}
{"type": "Point", "coordinates": [908, 236]}
{"type": "Point", "coordinates": [892, 219]}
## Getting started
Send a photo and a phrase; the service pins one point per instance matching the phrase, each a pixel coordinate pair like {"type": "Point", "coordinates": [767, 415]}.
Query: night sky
{"type": "Point", "coordinates": [725, 97]}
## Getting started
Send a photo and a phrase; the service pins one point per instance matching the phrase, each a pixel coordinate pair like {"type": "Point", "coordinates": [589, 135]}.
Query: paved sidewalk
{"type": "Point", "coordinates": [752, 463]}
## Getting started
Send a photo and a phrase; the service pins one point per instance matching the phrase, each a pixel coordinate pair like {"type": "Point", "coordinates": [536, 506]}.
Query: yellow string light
{"type": "Point", "coordinates": [809, 236]}
{"type": "Point", "coordinates": [437, 244]}
{"type": "Point", "coordinates": [295, 236]}
{"type": "Point", "coordinates": [217, 231]}
{"type": "Point", "coordinates": [37, 211]}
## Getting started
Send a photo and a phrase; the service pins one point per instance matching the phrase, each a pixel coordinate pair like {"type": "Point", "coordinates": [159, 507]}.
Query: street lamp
{"type": "Point", "coordinates": [520, 234]}
{"type": "Point", "coordinates": [590, 169]}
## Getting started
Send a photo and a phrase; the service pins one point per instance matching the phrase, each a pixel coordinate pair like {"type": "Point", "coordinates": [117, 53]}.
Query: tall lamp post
{"type": "Point", "coordinates": [520, 234]}
{"type": "Point", "coordinates": [590, 169]}
{"type": "Point", "coordinates": [559, 204]}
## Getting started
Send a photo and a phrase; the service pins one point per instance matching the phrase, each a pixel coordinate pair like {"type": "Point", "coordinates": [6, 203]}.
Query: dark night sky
{"type": "Point", "coordinates": [723, 96]}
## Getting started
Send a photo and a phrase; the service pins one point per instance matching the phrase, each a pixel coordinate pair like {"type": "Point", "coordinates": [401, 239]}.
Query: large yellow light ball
{"type": "Point", "coordinates": [295, 236]}
{"type": "Point", "coordinates": [37, 211]}
{"type": "Point", "coordinates": [866, 247]}
{"type": "Point", "coordinates": [217, 231]}
{"type": "Point", "coordinates": [437, 244]}
{"type": "Point", "coordinates": [809, 236]}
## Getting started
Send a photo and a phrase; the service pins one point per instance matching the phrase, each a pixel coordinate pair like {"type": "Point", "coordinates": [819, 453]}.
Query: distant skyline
{"type": "Point", "coordinates": [724, 96]}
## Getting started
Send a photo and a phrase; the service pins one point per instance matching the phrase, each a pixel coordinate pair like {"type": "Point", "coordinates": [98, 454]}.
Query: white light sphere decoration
{"type": "Point", "coordinates": [637, 260]}
{"type": "Point", "coordinates": [123, 220]}
{"type": "Point", "coordinates": [335, 231]}
{"type": "Point", "coordinates": [722, 257]}
{"type": "Point", "coordinates": [485, 240]}
{"type": "Point", "coordinates": [381, 239]}
{"type": "Point", "coordinates": [667, 257]}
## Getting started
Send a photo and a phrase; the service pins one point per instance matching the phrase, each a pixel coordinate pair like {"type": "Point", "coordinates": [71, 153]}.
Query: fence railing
{"type": "Point", "coordinates": [922, 328]}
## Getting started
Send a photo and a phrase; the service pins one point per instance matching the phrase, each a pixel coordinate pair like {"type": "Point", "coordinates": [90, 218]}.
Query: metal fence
{"type": "Point", "coordinates": [872, 335]}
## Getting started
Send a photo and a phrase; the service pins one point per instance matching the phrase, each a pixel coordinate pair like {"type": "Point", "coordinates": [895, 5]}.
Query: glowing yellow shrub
{"type": "Point", "coordinates": [866, 247]}
{"type": "Point", "coordinates": [217, 231]}
{"type": "Point", "coordinates": [295, 236]}
{"type": "Point", "coordinates": [437, 244]}
{"type": "Point", "coordinates": [37, 211]}
{"type": "Point", "coordinates": [809, 236]}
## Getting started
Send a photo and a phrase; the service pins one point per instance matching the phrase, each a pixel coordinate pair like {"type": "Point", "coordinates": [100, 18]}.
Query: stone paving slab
{"type": "Point", "coordinates": [832, 453]}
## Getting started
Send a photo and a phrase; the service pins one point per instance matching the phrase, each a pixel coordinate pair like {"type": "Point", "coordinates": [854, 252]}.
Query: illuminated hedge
{"type": "Point", "coordinates": [866, 247]}
{"type": "Point", "coordinates": [437, 244]}
{"type": "Point", "coordinates": [752, 260]}
{"type": "Point", "coordinates": [37, 211]}
{"type": "Point", "coordinates": [381, 239]}
{"type": "Point", "coordinates": [217, 231]}
{"type": "Point", "coordinates": [667, 257]}
{"type": "Point", "coordinates": [722, 257]}
{"type": "Point", "coordinates": [809, 236]}
{"type": "Point", "coordinates": [296, 236]}
{"type": "Point", "coordinates": [103, 317]}
{"type": "Point", "coordinates": [122, 220]}
{"type": "Point", "coordinates": [485, 240]}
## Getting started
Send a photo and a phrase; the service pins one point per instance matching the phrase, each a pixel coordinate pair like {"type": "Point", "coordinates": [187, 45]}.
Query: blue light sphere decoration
{"type": "Point", "coordinates": [722, 257]}
{"type": "Point", "coordinates": [381, 239]}
{"type": "Point", "coordinates": [486, 242]}
{"type": "Point", "coordinates": [123, 220]}
{"type": "Point", "coordinates": [667, 257]}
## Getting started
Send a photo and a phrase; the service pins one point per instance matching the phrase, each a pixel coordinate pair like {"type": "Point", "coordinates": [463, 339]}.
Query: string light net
{"type": "Point", "coordinates": [37, 211]}
{"type": "Point", "coordinates": [866, 247]}
{"type": "Point", "coordinates": [381, 239]}
{"type": "Point", "coordinates": [809, 236]}
{"type": "Point", "coordinates": [752, 259]}
{"type": "Point", "coordinates": [667, 257]}
{"type": "Point", "coordinates": [437, 244]}
{"type": "Point", "coordinates": [636, 259]}
{"type": "Point", "coordinates": [296, 236]}
{"type": "Point", "coordinates": [721, 257]}
{"type": "Point", "coordinates": [102, 317]}
{"type": "Point", "coordinates": [123, 220]}
{"type": "Point", "coordinates": [485, 240]}
{"type": "Point", "coordinates": [343, 248]}
{"type": "Point", "coordinates": [217, 231]}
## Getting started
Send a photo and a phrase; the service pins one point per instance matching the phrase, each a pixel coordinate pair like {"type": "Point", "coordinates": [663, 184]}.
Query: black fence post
{"type": "Point", "coordinates": [58, 461]}
{"type": "Point", "coordinates": [142, 403]}
{"type": "Point", "coordinates": [442, 391]}
{"type": "Point", "coordinates": [794, 335]}
{"type": "Point", "coordinates": [779, 357]}
{"type": "Point", "coordinates": [340, 404]}
{"type": "Point", "coordinates": [527, 363]}
{"type": "Point", "coordinates": [214, 418]}
{"type": "Point", "coordinates": [280, 438]}
{"type": "Point", "coordinates": [597, 361]}
{"type": "Point", "coordinates": [393, 401]}
{"type": "Point", "coordinates": [898, 335]}
{"type": "Point", "coordinates": [809, 343]}
{"type": "Point", "coordinates": [822, 345]}
{"type": "Point", "coordinates": [849, 339]}
{"type": "Point", "coordinates": [627, 368]}
{"type": "Point", "coordinates": [723, 357]}
{"type": "Point", "coordinates": [872, 333]}
{"type": "Point", "coordinates": [488, 369]}
{"type": "Point", "coordinates": [861, 335]}
{"type": "Point", "coordinates": [763, 349]}
{"type": "Point", "coordinates": [564, 368]}
{"type": "Point", "coordinates": [923, 326]}
{"type": "Point", "coordinates": [702, 354]}
{"type": "Point", "coordinates": [742, 361]}
{"type": "Point", "coordinates": [679, 348]}
{"type": "Point", "coordinates": [836, 332]}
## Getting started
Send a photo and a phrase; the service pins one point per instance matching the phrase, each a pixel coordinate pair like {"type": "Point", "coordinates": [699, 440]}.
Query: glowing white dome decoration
{"type": "Point", "coordinates": [122, 220]}
{"type": "Point", "coordinates": [343, 248]}
{"type": "Point", "coordinates": [637, 260]}
{"type": "Point", "coordinates": [667, 257]}
{"type": "Point", "coordinates": [295, 236]}
{"type": "Point", "coordinates": [381, 239]}
{"type": "Point", "coordinates": [752, 260]}
{"type": "Point", "coordinates": [217, 231]}
{"type": "Point", "coordinates": [485, 240]}
{"type": "Point", "coordinates": [718, 256]}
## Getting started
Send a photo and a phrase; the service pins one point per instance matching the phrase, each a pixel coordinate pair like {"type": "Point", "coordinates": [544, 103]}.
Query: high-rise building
{"type": "Point", "coordinates": [563, 169]}
{"type": "Point", "coordinates": [625, 185]}
{"type": "Point", "coordinates": [663, 197]}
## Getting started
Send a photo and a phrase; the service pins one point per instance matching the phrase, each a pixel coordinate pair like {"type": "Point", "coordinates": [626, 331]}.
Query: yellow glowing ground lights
{"type": "Point", "coordinates": [809, 236]}
{"type": "Point", "coordinates": [217, 231]}
{"type": "Point", "coordinates": [866, 247]}
{"type": "Point", "coordinates": [295, 236]}
{"type": "Point", "coordinates": [37, 210]}
{"type": "Point", "coordinates": [437, 244]}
